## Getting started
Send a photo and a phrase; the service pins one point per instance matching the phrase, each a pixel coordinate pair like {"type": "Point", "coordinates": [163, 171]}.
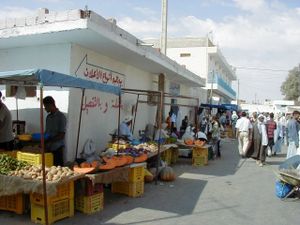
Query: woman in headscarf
{"type": "Point", "coordinates": [260, 140]}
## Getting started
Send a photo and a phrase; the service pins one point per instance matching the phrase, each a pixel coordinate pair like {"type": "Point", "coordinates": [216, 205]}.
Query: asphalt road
{"type": "Point", "coordinates": [229, 190]}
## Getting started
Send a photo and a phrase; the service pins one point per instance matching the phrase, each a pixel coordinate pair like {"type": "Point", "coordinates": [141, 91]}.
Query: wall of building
{"type": "Point", "coordinates": [52, 57]}
{"type": "Point", "coordinates": [196, 62]}
{"type": "Point", "coordinates": [99, 121]}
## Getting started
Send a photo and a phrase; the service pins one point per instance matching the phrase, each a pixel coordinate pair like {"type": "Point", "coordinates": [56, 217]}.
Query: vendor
{"type": "Point", "coordinates": [201, 136]}
{"type": "Point", "coordinates": [161, 133]}
{"type": "Point", "coordinates": [125, 128]}
{"type": "Point", "coordinates": [6, 133]}
{"type": "Point", "coordinates": [56, 128]}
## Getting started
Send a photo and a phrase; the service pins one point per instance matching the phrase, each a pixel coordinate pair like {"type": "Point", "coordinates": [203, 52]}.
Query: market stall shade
{"type": "Point", "coordinates": [34, 77]}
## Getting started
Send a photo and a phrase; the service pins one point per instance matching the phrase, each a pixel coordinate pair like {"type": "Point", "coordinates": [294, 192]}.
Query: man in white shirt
{"type": "Point", "coordinates": [243, 133]}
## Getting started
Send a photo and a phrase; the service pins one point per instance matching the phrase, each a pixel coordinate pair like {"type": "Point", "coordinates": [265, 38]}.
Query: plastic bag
{"type": "Point", "coordinates": [282, 189]}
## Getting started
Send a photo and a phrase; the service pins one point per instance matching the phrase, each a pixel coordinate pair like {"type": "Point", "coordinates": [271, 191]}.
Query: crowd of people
{"type": "Point", "coordinates": [263, 135]}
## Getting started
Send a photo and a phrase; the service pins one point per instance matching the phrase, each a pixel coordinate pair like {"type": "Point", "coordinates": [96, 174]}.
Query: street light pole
{"type": "Point", "coordinates": [164, 22]}
{"type": "Point", "coordinates": [211, 87]}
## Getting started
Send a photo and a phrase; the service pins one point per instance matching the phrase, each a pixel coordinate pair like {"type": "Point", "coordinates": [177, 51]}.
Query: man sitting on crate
{"type": "Point", "coordinates": [56, 128]}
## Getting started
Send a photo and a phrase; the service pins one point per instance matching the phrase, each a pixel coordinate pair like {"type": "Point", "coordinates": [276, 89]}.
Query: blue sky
{"type": "Point", "coordinates": [250, 33]}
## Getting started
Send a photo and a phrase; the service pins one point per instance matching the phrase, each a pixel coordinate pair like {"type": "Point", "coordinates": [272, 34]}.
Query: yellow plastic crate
{"type": "Point", "coordinates": [56, 211]}
{"type": "Point", "coordinates": [115, 146]}
{"type": "Point", "coordinates": [90, 204]}
{"type": "Point", "coordinates": [10, 153]}
{"type": "Point", "coordinates": [136, 174]}
{"type": "Point", "coordinates": [167, 156]}
{"type": "Point", "coordinates": [14, 203]}
{"type": "Point", "coordinates": [132, 189]}
{"type": "Point", "coordinates": [35, 158]}
{"type": "Point", "coordinates": [200, 161]}
{"type": "Point", "coordinates": [200, 151]}
{"type": "Point", "coordinates": [65, 190]}
{"type": "Point", "coordinates": [174, 156]}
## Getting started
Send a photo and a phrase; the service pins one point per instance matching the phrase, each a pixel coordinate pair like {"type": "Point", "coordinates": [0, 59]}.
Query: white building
{"type": "Point", "coordinates": [276, 106]}
{"type": "Point", "coordinates": [205, 59]}
{"type": "Point", "coordinates": [84, 44]}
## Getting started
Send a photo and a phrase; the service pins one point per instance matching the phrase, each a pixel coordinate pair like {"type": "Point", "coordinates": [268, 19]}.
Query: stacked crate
{"type": "Point", "coordinates": [174, 156]}
{"type": "Point", "coordinates": [14, 203]}
{"type": "Point", "coordinates": [35, 158]}
{"type": "Point", "coordinates": [89, 198]}
{"type": "Point", "coordinates": [200, 156]}
{"type": "Point", "coordinates": [60, 205]}
{"type": "Point", "coordinates": [167, 156]}
{"type": "Point", "coordinates": [135, 185]}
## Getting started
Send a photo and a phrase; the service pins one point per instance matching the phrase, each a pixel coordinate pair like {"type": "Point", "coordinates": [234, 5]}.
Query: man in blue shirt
{"type": "Point", "coordinates": [125, 128]}
{"type": "Point", "coordinates": [292, 130]}
{"type": "Point", "coordinates": [56, 128]}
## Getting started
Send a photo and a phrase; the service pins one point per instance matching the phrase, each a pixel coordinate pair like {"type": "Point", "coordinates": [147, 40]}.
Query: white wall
{"type": "Point", "coordinates": [98, 122]}
{"type": "Point", "coordinates": [197, 62]}
{"type": "Point", "coordinates": [52, 57]}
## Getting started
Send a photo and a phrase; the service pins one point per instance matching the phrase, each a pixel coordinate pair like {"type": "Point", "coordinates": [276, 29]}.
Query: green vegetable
{"type": "Point", "coordinates": [8, 164]}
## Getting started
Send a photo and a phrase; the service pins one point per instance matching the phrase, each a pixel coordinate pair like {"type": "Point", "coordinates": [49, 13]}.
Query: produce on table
{"type": "Point", "coordinates": [141, 158]}
{"type": "Point", "coordinates": [8, 164]}
{"type": "Point", "coordinates": [167, 174]}
{"type": "Point", "coordinates": [199, 143]}
{"type": "Point", "coordinates": [108, 165]}
{"type": "Point", "coordinates": [189, 141]}
{"type": "Point", "coordinates": [54, 173]}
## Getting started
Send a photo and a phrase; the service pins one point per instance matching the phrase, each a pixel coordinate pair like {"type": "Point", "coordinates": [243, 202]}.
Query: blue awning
{"type": "Point", "coordinates": [231, 107]}
{"type": "Point", "coordinates": [50, 78]}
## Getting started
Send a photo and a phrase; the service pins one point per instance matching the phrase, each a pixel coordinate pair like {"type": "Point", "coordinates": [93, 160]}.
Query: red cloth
{"type": "Point", "coordinates": [271, 126]}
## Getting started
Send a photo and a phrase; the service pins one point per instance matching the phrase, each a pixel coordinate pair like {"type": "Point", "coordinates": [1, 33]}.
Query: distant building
{"type": "Point", "coordinates": [205, 59]}
{"type": "Point", "coordinates": [275, 106]}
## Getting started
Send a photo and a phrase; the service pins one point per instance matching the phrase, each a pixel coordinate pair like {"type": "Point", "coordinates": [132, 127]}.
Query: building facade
{"type": "Point", "coordinates": [205, 59]}
{"type": "Point", "coordinates": [84, 44]}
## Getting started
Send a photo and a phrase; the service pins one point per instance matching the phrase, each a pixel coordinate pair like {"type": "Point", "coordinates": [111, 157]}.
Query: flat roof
{"type": "Point", "coordinates": [92, 31]}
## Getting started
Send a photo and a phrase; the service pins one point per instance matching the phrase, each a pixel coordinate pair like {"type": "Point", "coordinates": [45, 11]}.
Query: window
{"type": "Point", "coordinates": [185, 54]}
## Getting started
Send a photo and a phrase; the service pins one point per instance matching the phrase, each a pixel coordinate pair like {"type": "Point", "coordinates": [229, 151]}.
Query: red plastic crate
{"type": "Point", "coordinates": [85, 187]}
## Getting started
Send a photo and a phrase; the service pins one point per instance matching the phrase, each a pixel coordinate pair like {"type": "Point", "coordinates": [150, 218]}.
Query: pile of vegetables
{"type": "Point", "coordinates": [54, 173]}
{"type": "Point", "coordinates": [8, 164]}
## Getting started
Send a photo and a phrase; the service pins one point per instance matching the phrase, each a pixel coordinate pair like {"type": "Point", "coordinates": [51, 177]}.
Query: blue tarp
{"type": "Point", "coordinates": [50, 78]}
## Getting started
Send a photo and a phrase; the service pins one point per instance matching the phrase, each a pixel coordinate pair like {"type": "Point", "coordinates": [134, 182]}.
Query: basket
{"type": "Point", "coordinates": [35, 158]}
{"type": "Point", "coordinates": [65, 190]}
{"type": "Point", "coordinates": [85, 187]}
{"type": "Point", "coordinates": [14, 203]}
{"type": "Point", "coordinates": [56, 211]}
{"type": "Point", "coordinates": [136, 174]}
{"type": "Point", "coordinates": [131, 189]}
{"type": "Point", "coordinates": [89, 204]}
{"type": "Point", "coordinates": [199, 161]}
{"type": "Point", "coordinates": [25, 137]}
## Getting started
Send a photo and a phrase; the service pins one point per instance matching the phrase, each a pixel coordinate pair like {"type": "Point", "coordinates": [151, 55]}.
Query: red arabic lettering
{"type": "Point", "coordinates": [104, 77]}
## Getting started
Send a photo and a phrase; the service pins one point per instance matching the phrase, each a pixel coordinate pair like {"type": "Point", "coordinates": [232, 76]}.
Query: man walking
{"type": "Point", "coordinates": [292, 135]}
{"type": "Point", "coordinates": [243, 131]}
{"type": "Point", "coordinates": [271, 127]}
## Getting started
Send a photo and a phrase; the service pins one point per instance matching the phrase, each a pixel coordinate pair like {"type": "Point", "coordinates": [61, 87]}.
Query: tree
{"type": "Point", "coordinates": [290, 88]}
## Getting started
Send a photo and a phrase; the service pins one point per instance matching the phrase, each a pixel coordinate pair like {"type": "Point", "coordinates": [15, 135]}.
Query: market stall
{"type": "Point", "coordinates": [41, 78]}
